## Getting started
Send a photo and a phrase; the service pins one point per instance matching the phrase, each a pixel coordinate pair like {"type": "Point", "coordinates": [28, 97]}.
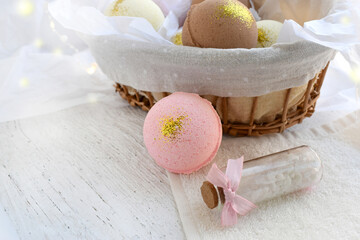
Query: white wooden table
{"type": "Point", "coordinates": [84, 173]}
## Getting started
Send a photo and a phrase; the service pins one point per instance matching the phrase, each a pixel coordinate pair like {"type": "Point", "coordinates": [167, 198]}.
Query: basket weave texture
{"type": "Point", "coordinates": [290, 115]}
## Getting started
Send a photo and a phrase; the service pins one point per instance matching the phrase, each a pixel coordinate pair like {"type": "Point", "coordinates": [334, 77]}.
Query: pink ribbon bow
{"type": "Point", "coordinates": [234, 204]}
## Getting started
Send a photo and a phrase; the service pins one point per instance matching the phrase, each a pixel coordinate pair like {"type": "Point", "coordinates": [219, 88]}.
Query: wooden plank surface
{"type": "Point", "coordinates": [84, 173]}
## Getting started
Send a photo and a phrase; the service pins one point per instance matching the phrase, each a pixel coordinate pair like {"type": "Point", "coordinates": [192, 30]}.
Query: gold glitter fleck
{"type": "Point", "coordinates": [236, 11]}
{"type": "Point", "coordinates": [177, 39]}
{"type": "Point", "coordinates": [119, 10]}
{"type": "Point", "coordinates": [263, 37]}
{"type": "Point", "coordinates": [171, 128]}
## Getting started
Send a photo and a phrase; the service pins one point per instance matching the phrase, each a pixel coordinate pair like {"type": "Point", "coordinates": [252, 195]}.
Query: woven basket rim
{"type": "Point", "coordinates": [305, 108]}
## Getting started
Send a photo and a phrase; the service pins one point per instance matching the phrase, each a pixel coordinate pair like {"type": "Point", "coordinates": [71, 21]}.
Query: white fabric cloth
{"type": "Point", "coordinates": [327, 211]}
{"type": "Point", "coordinates": [236, 73]}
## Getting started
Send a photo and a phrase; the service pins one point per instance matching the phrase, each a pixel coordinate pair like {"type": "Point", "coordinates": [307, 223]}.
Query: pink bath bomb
{"type": "Point", "coordinates": [182, 132]}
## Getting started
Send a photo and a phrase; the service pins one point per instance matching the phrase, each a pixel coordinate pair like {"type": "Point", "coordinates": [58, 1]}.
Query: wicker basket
{"type": "Point", "coordinates": [290, 115]}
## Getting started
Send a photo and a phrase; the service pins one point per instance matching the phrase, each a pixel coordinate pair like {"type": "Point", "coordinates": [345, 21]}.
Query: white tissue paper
{"type": "Point", "coordinates": [44, 68]}
{"type": "Point", "coordinates": [339, 30]}
{"type": "Point", "coordinates": [88, 18]}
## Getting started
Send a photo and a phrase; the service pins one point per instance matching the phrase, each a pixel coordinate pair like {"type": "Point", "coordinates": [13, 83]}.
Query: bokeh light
{"type": "Point", "coordinates": [25, 8]}
{"type": "Point", "coordinates": [24, 82]}
{"type": "Point", "coordinates": [57, 52]}
{"type": "Point", "coordinates": [355, 74]}
{"type": "Point", "coordinates": [38, 43]}
{"type": "Point", "coordinates": [52, 25]}
{"type": "Point", "coordinates": [92, 98]}
{"type": "Point", "coordinates": [64, 38]}
{"type": "Point", "coordinates": [345, 20]}
{"type": "Point", "coordinates": [92, 69]}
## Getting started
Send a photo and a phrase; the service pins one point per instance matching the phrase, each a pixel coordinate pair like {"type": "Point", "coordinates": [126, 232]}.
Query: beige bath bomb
{"type": "Point", "coordinates": [137, 8]}
{"type": "Point", "coordinates": [268, 33]}
{"type": "Point", "coordinates": [220, 24]}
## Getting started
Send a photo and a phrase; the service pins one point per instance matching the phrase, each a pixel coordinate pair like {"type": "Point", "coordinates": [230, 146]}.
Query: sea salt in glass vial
{"type": "Point", "coordinates": [274, 175]}
{"type": "Point", "coordinates": [279, 174]}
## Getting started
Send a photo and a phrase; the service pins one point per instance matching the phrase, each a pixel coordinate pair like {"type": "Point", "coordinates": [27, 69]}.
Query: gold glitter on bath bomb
{"type": "Point", "coordinates": [234, 10]}
{"type": "Point", "coordinates": [220, 24]}
{"type": "Point", "coordinates": [269, 31]}
{"type": "Point", "coordinates": [137, 8]}
{"type": "Point", "coordinates": [245, 2]}
{"type": "Point", "coordinates": [177, 39]}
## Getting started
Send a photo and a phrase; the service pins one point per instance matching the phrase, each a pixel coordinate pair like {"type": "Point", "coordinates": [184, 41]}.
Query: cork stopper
{"type": "Point", "coordinates": [209, 195]}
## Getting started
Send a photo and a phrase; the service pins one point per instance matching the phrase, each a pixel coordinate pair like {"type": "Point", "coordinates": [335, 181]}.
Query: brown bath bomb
{"type": "Point", "coordinates": [245, 2]}
{"type": "Point", "coordinates": [220, 24]}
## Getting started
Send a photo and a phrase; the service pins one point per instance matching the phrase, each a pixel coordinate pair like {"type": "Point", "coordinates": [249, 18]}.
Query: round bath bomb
{"type": "Point", "coordinates": [220, 24]}
{"type": "Point", "coordinates": [182, 132]}
{"type": "Point", "coordinates": [268, 33]}
{"type": "Point", "coordinates": [137, 8]}
{"type": "Point", "coordinates": [245, 2]}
